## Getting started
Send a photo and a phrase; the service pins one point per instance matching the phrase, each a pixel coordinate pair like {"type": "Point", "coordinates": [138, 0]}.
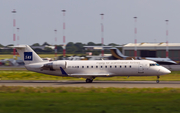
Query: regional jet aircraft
{"type": "Point", "coordinates": [89, 69]}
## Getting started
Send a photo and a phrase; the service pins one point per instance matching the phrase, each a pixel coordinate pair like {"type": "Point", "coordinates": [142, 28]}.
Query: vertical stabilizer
{"type": "Point", "coordinates": [117, 54]}
{"type": "Point", "coordinates": [27, 54]}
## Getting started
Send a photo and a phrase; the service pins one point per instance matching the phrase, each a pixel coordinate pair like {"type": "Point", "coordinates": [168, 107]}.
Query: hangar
{"type": "Point", "coordinates": [153, 50]}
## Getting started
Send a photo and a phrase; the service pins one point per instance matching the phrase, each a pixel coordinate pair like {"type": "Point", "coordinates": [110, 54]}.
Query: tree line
{"type": "Point", "coordinates": [71, 48]}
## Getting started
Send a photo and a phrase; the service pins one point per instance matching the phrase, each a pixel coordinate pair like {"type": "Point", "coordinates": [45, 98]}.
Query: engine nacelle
{"type": "Point", "coordinates": [54, 65]}
{"type": "Point", "coordinates": [58, 64]}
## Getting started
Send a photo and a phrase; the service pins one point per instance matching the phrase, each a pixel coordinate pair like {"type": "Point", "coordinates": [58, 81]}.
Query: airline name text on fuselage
{"type": "Point", "coordinates": [106, 63]}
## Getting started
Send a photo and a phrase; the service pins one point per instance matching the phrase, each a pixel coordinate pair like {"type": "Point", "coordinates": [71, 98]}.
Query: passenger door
{"type": "Point", "coordinates": [140, 69]}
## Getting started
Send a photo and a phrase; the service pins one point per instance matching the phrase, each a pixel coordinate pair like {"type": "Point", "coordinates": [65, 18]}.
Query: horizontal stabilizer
{"type": "Point", "coordinates": [19, 46]}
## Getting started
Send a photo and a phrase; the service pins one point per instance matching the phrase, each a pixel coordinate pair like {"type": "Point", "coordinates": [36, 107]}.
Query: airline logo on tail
{"type": "Point", "coordinates": [28, 56]}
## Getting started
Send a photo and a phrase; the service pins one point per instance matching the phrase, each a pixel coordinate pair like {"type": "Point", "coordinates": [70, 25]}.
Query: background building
{"type": "Point", "coordinates": [153, 50]}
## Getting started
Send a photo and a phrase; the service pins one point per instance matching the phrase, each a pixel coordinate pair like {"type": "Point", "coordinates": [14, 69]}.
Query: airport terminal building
{"type": "Point", "coordinates": [153, 50]}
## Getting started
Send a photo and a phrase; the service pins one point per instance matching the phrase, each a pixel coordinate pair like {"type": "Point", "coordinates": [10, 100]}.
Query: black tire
{"type": "Point", "coordinates": [89, 80]}
{"type": "Point", "coordinates": [157, 81]}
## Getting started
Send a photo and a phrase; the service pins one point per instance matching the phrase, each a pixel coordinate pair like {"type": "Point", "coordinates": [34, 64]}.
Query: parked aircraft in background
{"type": "Point", "coordinates": [162, 61]}
{"type": "Point", "coordinates": [11, 62]}
{"type": "Point", "coordinates": [75, 58]}
{"type": "Point", "coordinates": [89, 69]}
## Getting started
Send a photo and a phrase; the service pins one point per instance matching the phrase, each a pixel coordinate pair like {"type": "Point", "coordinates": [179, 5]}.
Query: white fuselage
{"type": "Point", "coordinates": [89, 69]}
{"type": "Point", "coordinates": [100, 68]}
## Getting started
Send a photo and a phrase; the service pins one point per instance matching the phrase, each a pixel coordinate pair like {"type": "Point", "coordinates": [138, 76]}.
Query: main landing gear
{"type": "Point", "coordinates": [90, 80]}
{"type": "Point", "coordinates": [157, 81]}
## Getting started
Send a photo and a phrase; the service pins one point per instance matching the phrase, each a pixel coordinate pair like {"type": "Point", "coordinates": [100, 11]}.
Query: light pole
{"type": "Point", "coordinates": [135, 37]}
{"type": "Point", "coordinates": [167, 49]}
{"type": "Point", "coordinates": [18, 36]}
{"type": "Point", "coordinates": [64, 38]}
{"type": "Point", "coordinates": [102, 34]}
{"type": "Point", "coordinates": [14, 35]}
{"type": "Point", "coordinates": [55, 49]}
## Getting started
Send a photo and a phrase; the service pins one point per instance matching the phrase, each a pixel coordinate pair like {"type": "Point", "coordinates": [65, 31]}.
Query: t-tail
{"type": "Point", "coordinates": [118, 55]}
{"type": "Point", "coordinates": [27, 54]}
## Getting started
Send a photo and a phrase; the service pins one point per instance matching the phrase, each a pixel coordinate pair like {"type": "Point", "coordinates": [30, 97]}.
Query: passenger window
{"type": "Point", "coordinates": [91, 66]}
{"type": "Point", "coordinates": [110, 66]}
{"type": "Point", "coordinates": [105, 66]}
{"type": "Point", "coordinates": [130, 66]}
{"type": "Point", "coordinates": [115, 66]}
{"type": "Point", "coordinates": [96, 66]}
{"type": "Point", "coordinates": [82, 66]}
{"type": "Point", "coordinates": [77, 66]}
{"type": "Point", "coordinates": [87, 66]}
{"type": "Point", "coordinates": [125, 66]}
{"type": "Point", "coordinates": [120, 66]}
{"type": "Point", "coordinates": [101, 66]}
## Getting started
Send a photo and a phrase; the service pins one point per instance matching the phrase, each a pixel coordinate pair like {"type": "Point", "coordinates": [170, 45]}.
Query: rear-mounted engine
{"type": "Point", "coordinates": [54, 65]}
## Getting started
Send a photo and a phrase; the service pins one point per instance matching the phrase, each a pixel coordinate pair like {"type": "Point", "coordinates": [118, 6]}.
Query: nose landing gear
{"type": "Point", "coordinates": [90, 80]}
{"type": "Point", "coordinates": [157, 81]}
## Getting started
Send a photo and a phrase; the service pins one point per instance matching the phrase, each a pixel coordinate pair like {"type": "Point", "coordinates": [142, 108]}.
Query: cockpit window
{"type": "Point", "coordinates": [154, 64]}
{"type": "Point", "coordinates": [157, 64]}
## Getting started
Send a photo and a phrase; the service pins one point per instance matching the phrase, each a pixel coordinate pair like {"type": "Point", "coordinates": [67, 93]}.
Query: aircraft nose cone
{"type": "Point", "coordinates": [164, 71]}
{"type": "Point", "coordinates": [167, 71]}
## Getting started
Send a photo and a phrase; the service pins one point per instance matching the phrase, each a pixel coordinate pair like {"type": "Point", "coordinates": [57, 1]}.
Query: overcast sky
{"type": "Point", "coordinates": [37, 20]}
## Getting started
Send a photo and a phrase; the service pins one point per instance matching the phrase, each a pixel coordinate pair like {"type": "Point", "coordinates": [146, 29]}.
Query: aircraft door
{"type": "Point", "coordinates": [140, 69]}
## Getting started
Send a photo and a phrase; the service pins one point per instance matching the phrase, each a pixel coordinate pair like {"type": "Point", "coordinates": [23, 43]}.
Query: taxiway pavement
{"type": "Point", "coordinates": [103, 84]}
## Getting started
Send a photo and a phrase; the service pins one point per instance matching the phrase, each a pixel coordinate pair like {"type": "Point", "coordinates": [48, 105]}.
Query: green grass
{"type": "Point", "coordinates": [28, 75]}
{"type": "Point", "coordinates": [88, 100]}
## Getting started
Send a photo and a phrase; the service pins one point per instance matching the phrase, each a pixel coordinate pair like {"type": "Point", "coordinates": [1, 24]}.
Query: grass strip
{"type": "Point", "coordinates": [21, 89]}
{"type": "Point", "coordinates": [28, 75]}
{"type": "Point", "coordinates": [88, 100]}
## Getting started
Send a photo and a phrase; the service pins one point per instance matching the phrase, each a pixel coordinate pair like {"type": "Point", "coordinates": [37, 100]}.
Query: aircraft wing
{"type": "Point", "coordinates": [95, 74]}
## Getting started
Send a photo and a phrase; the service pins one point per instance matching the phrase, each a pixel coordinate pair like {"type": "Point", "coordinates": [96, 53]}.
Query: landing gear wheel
{"type": "Point", "coordinates": [157, 81]}
{"type": "Point", "coordinates": [89, 80]}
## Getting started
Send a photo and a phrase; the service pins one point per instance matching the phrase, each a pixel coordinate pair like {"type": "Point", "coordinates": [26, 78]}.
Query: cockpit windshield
{"type": "Point", "coordinates": [154, 64]}
{"type": "Point", "coordinates": [157, 64]}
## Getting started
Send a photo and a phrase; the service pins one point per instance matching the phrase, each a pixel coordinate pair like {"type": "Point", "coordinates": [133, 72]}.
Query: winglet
{"type": "Point", "coordinates": [63, 72]}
